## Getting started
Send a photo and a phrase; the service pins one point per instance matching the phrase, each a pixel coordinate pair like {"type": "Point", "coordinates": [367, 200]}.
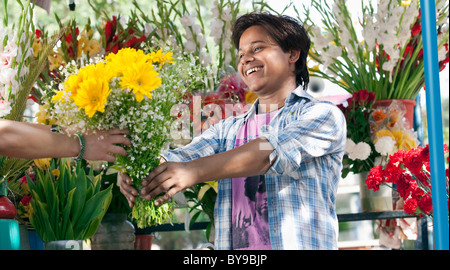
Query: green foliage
{"type": "Point", "coordinates": [204, 204]}
{"type": "Point", "coordinates": [68, 207]}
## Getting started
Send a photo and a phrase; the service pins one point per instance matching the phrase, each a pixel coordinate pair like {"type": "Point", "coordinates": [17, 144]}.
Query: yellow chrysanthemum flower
{"type": "Point", "coordinates": [141, 78]}
{"type": "Point", "coordinates": [58, 97]}
{"type": "Point", "coordinates": [92, 95]}
{"type": "Point", "coordinates": [104, 71]}
{"type": "Point", "coordinates": [161, 58]}
{"type": "Point", "coordinates": [123, 58]}
{"type": "Point", "coordinates": [72, 83]}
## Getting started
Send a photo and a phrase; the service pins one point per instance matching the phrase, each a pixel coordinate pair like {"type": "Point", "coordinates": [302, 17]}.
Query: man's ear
{"type": "Point", "coordinates": [294, 56]}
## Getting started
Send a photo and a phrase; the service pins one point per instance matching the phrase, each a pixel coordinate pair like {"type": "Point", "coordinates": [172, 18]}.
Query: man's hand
{"type": "Point", "coordinates": [171, 178]}
{"type": "Point", "coordinates": [103, 144]}
{"type": "Point", "coordinates": [126, 188]}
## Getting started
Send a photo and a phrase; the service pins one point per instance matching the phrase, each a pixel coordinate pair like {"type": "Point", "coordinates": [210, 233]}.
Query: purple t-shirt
{"type": "Point", "coordinates": [250, 228]}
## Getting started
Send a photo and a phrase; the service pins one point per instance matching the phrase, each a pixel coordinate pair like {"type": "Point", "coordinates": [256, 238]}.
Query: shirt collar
{"type": "Point", "coordinates": [290, 99]}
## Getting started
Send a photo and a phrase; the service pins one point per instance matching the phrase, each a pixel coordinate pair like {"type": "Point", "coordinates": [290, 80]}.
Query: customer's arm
{"type": "Point", "coordinates": [30, 141]}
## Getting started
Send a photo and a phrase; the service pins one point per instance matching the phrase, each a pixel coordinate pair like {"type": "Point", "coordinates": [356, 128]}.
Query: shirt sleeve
{"type": "Point", "coordinates": [318, 130]}
{"type": "Point", "coordinates": [206, 144]}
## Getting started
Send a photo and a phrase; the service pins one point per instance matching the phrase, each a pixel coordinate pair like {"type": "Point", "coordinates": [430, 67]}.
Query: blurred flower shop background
{"type": "Point", "coordinates": [365, 57]}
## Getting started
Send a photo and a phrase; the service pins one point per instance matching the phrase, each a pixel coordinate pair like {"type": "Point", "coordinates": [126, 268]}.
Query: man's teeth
{"type": "Point", "coordinates": [250, 71]}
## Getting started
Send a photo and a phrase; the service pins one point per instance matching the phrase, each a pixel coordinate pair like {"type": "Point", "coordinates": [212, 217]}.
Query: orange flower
{"type": "Point", "coordinates": [394, 117]}
{"type": "Point", "coordinates": [378, 115]}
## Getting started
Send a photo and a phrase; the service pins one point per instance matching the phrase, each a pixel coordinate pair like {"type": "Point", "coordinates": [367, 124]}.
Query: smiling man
{"type": "Point", "coordinates": [279, 164]}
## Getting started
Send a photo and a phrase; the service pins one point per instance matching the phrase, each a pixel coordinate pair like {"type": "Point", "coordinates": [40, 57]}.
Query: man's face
{"type": "Point", "coordinates": [263, 65]}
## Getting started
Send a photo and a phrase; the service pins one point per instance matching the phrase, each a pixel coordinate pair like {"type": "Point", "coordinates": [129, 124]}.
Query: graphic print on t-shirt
{"type": "Point", "coordinates": [250, 228]}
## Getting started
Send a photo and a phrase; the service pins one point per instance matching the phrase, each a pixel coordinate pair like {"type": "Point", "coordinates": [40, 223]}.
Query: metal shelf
{"type": "Point", "coordinates": [421, 242]}
{"type": "Point", "coordinates": [341, 218]}
{"type": "Point", "coordinates": [374, 216]}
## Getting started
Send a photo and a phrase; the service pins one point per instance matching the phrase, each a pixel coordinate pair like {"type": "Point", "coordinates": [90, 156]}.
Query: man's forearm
{"type": "Point", "coordinates": [247, 160]}
{"type": "Point", "coordinates": [29, 141]}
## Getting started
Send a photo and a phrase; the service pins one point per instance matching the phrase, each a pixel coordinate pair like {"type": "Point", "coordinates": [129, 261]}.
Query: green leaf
{"type": "Point", "coordinates": [79, 198]}
{"type": "Point", "coordinates": [66, 223]}
{"type": "Point", "coordinates": [93, 208]}
{"type": "Point", "coordinates": [69, 234]}
{"type": "Point", "coordinates": [46, 231]}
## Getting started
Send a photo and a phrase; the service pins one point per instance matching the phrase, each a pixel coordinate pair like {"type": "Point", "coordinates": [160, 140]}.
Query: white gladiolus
{"type": "Point", "coordinates": [334, 51]}
{"type": "Point", "coordinates": [216, 30]}
{"type": "Point", "coordinates": [190, 46]}
{"type": "Point", "coordinates": [188, 20]}
{"type": "Point", "coordinates": [5, 108]}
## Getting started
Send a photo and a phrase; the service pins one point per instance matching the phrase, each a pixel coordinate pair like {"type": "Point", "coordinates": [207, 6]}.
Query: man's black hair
{"type": "Point", "coordinates": [288, 32]}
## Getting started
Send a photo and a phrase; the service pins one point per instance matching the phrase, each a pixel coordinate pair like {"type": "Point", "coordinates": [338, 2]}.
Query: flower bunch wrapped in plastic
{"type": "Point", "coordinates": [390, 130]}
{"type": "Point", "coordinates": [132, 90]}
{"type": "Point", "coordinates": [381, 52]}
{"type": "Point", "coordinates": [409, 170]}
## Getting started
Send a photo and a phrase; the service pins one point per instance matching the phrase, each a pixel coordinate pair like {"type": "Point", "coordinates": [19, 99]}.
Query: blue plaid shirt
{"type": "Point", "coordinates": [309, 141]}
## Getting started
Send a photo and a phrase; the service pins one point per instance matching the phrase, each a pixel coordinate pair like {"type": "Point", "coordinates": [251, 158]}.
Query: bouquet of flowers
{"type": "Point", "coordinates": [373, 134]}
{"type": "Point", "coordinates": [409, 170]}
{"type": "Point", "coordinates": [390, 130]}
{"type": "Point", "coordinates": [384, 55]}
{"type": "Point", "coordinates": [133, 90]}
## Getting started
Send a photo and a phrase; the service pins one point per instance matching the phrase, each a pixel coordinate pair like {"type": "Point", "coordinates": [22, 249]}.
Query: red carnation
{"type": "Point", "coordinates": [410, 206]}
{"type": "Point", "coordinates": [425, 204]}
{"type": "Point", "coordinates": [375, 178]}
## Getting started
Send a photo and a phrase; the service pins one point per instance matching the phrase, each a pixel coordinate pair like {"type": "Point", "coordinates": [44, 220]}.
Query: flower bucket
{"type": "Point", "coordinates": [408, 104]}
{"type": "Point", "coordinates": [144, 241]}
{"type": "Point", "coordinates": [65, 245]}
{"type": "Point", "coordinates": [374, 201]}
{"type": "Point", "coordinates": [114, 233]}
